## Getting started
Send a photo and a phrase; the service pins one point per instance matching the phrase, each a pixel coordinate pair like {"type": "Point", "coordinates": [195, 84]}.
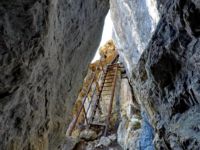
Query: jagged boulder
{"type": "Point", "coordinates": [88, 135]}
{"type": "Point", "coordinates": [104, 141]}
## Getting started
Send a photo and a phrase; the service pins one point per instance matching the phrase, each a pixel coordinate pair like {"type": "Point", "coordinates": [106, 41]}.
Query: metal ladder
{"type": "Point", "coordinates": [108, 78]}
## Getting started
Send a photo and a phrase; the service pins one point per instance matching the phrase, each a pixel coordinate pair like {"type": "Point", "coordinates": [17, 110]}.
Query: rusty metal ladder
{"type": "Point", "coordinates": [108, 85]}
{"type": "Point", "coordinates": [109, 76]}
{"type": "Point", "coordinates": [111, 83]}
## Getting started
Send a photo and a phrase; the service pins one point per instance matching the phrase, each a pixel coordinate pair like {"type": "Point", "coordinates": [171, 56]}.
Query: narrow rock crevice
{"type": "Point", "coordinates": [47, 46]}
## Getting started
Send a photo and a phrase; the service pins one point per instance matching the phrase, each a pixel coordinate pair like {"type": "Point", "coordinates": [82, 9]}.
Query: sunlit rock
{"type": "Point", "coordinates": [166, 78]}
{"type": "Point", "coordinates": [134, 23]}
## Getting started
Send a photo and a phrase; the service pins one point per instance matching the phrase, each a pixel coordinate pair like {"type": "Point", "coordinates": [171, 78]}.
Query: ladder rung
{"type": "Point", "coordinates": [106, 93]}
{"type": "Point", "coordinates": [106, 90]}
{"type": "Point", "coordinates": [109, 78]}
{"type": "Point", "coordinates": [108, 86]}
{"type": "Point", "coordinates": [110, 75]}
{"type": "Point", "coordinates": [111, 70]}
{"type": "Point", "coordinates": [108, 82]}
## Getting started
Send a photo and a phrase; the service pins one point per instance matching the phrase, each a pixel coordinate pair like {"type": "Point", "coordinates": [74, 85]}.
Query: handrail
{"type": "Point", "coordinates": [70, 130]}
{"type": "Point", "coordinates": [80, 110]}
{"type": "Point", "coordinates": [93, 94]}
{"type": "Point", "coordinates": [74, 122]}
{"type": "Point", "coordinates": [95, 86]}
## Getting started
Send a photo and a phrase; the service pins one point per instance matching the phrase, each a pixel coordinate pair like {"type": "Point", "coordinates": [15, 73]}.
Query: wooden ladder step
{"type": "Point", "coordinates": [111, 70]}
{"type": "Point", "coordinates": [110, 75]}
{"type": "Point", "coordinates": [109, 78]}
{"type": "Point", "coordinates": [106, 90]}
{"type": "Point", "coordinates": [107, 86]}
{"type": "Point", "coordinates": [108, 82]}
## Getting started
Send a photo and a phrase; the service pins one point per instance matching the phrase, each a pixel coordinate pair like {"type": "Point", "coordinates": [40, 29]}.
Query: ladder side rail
{"type": "Point", "coordinates": [111, 102]}
{"type": "Point", "coordinates": [80, 110]}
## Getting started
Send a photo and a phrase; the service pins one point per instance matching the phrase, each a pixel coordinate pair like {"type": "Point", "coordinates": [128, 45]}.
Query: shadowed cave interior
{"type": "Point", "coordinates": [142, 93]}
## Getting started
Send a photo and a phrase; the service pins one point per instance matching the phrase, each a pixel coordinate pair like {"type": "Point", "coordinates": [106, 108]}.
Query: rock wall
{"type": "Point", "coordinates": [166, 78]}
{"type": "Point", "coordinates": [45, 47]}
{"type": "Point", "coordinates": [129, 129]}
{"type": "Point", "coordinates": [134, 23]}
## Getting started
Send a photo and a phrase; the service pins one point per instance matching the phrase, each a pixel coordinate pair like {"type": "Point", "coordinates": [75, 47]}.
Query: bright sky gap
{"type": "Point", "coordinates": [106, 35]}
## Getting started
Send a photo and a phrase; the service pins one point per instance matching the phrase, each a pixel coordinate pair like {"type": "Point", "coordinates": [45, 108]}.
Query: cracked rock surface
{"type": "Point", "coordinates": [167, 76]}
{"type": "Point", "coordinates": [134, 23]}
{"type": "Point", "coordinates": [45, 47]}
{"type": "Point", "coordinates": [166, 79]}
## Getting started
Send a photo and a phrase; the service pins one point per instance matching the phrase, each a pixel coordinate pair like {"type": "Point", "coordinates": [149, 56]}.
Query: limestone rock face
{"type": "Point", "coordinates": [166, 78]}
{"type": "Point", "coordinates": [45, 47]}
{"type": "Point", "coordinates": [134, 22]}
{"type": "Point", "coordinates": [128, 133]}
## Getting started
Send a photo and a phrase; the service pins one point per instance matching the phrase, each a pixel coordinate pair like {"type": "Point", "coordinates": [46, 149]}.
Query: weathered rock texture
{"type": "Point", "coordinates": [134, 22]}
{"type": "Point", "coordinates": [166, 80]}
{"type": "Point", "coordinates": [130, 121]}
{"type": "Point", "coordinates": [45, 47]}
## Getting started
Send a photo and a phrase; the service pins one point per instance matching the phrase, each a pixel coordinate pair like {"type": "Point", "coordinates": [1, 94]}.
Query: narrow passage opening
{"type": "Point", "coordinates": [97, 111]}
